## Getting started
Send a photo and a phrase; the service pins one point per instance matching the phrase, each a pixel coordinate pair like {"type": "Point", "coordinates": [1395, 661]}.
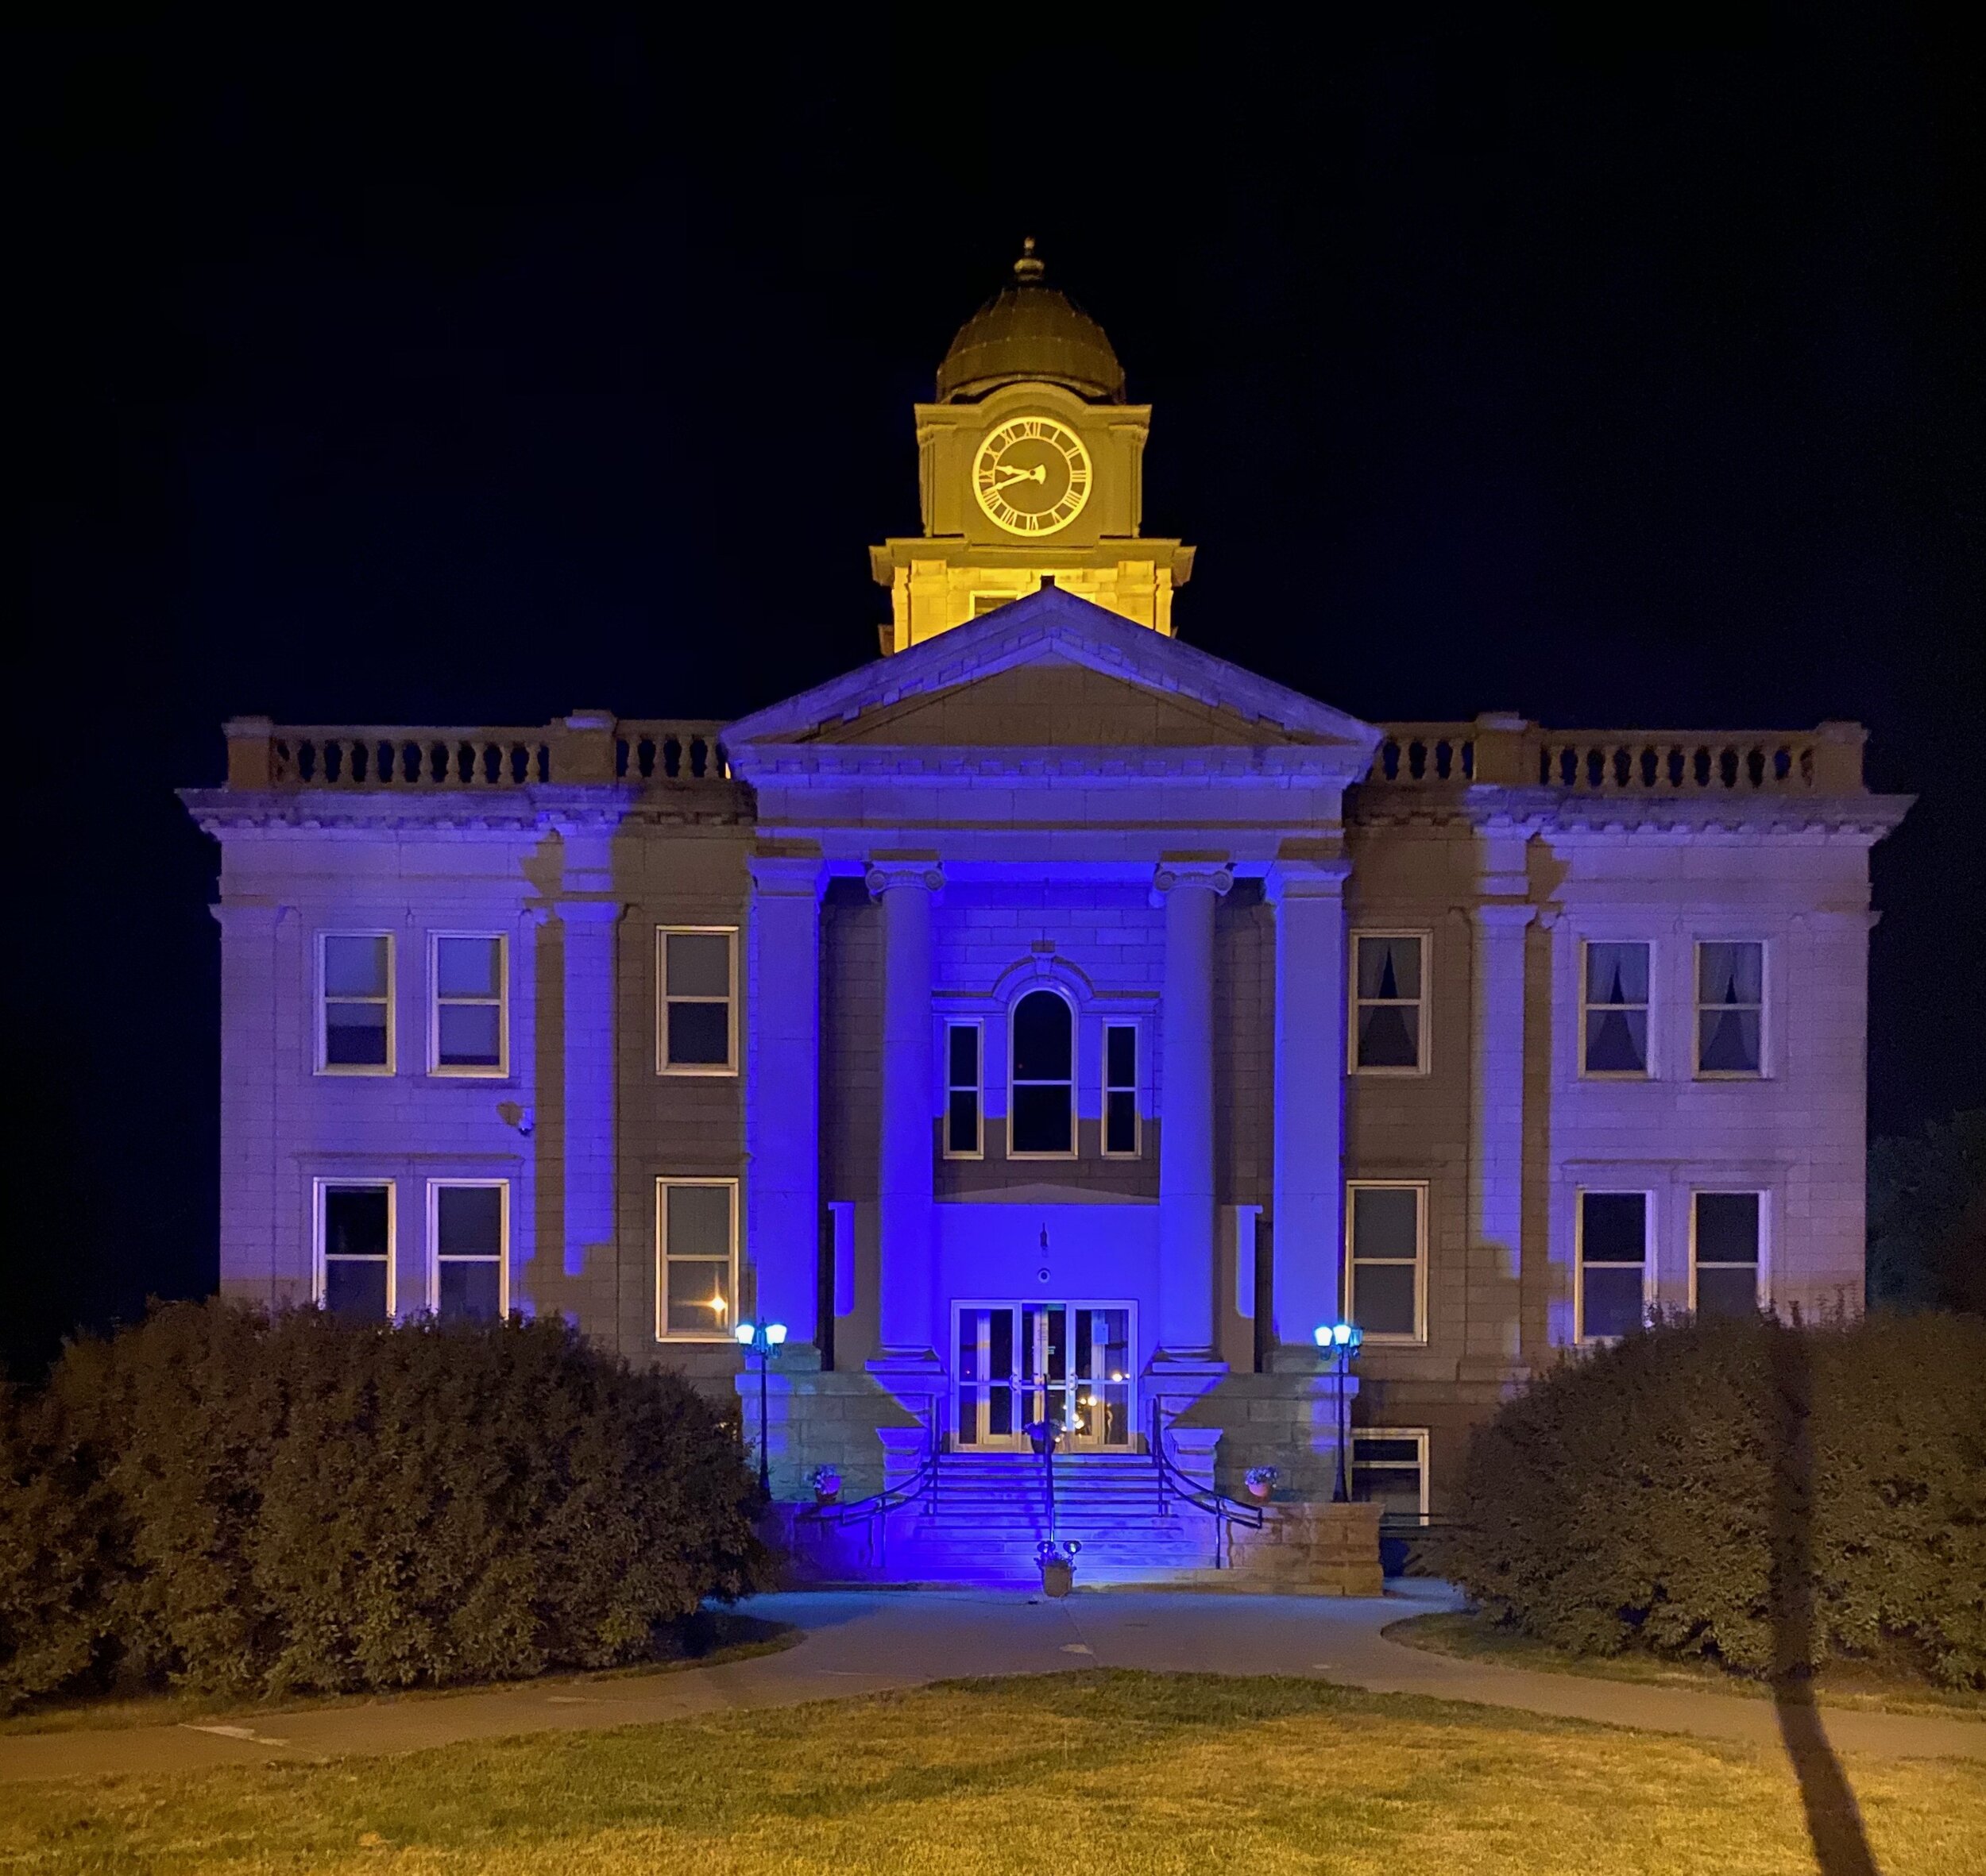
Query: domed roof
{"type": "Point", "coordinates": [1029, 331]}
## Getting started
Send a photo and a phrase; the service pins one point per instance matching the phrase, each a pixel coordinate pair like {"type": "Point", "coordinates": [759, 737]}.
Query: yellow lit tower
{"type": "Point", "coordinates": [1029, 471]}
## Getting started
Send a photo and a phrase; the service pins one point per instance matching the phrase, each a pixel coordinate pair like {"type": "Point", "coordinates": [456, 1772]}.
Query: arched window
{"type": "Point", "coordinates": [1041, 1101]}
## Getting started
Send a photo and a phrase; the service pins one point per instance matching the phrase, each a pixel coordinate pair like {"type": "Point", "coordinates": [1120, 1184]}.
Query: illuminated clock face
{"type": "Point", "coordinates": [1032, 476]}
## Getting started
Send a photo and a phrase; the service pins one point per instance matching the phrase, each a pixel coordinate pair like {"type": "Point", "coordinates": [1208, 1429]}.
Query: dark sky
{"type": "Point", "coordinates": [473, 378]}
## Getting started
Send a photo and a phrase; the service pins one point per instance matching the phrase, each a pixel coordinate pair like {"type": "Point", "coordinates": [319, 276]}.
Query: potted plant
{"type": "Point", "coordinates": [1058, 1565]}
{"type": "Point", "coordinates": [826, 1483]}
{"type": "Point", "coordinates": [1260, 1481]}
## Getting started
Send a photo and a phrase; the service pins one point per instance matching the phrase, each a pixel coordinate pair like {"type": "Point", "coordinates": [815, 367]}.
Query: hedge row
{"type": "Point", "coordinates": [1773, 1497]}
{"type": "Point", "coordinates": [235, 1503]}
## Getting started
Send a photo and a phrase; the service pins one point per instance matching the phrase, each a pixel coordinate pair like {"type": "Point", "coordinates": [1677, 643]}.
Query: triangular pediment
{"type": "Point", "coordinates": [1050, 670]}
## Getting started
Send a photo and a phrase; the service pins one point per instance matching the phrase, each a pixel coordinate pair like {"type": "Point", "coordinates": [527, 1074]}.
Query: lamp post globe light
{"type": "Point", "coordinates": [760, 1339]}
{"type": "Point", "coordinates": [1340, 1341]}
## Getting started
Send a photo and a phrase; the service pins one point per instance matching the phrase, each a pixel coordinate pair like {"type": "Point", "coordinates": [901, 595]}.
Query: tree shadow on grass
{"type": "Point", "coordinates": [1834, 1819]}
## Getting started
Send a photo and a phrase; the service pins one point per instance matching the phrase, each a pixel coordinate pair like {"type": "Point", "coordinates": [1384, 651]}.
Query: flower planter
{"type": "Point", "coordinates": [1058, 1579]}
{"type": "Point", "coordinates": [1260, 1493]}
{"type": "Point", "coordinates": [825, 1498]}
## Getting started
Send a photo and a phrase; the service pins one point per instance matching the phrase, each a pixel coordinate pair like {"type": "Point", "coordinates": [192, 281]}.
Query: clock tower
{"type": "Point", "coordinates": [1029, 472]}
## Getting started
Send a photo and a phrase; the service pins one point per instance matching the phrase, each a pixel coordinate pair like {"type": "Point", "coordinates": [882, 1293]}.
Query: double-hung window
{"type": "Point", "coordinates": [1120, 1090]}
{"type": "Point", "coordinates": [1042, 1090]}
{"type": "Point", "coordinates": [1390, 1469]}
{"type": "Point", "coordinates": [1614, 1025]}
{"type": "Point", "coordinates": [696, 971]}
{"type": "Point", "coordinates": [1730, 1008]}
{"type": "Point", "coordinates": [469, 1226]}
{"type": "Point", "coordinates": [355, 1003]}
{"type": "Point", "coordinates": [965, 1105]}
{"type": "Point", "coordinates": [1613, 1234]}
{"type": "Point", "coordinates": [1390, 1006]}
{"type": "Point", "coordinates": [355, 1248]}
{"type": "Point", "coordinates": [1386, 1244]}
{"type": "Point", "coordinates": [469, 1027]}
{"type": "Point", "coordinates": [696, 1258]}
{"type": "Point", "coordinates": [1726, 1239]}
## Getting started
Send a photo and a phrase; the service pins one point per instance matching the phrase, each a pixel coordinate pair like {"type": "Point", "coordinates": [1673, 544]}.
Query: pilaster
{"type": "Point", "coordinates": [1307, 1223]}
{"type": "Point", "coordinates": [783, 1095]}
{"type": "Point", "coordinates": [904, 884]}
{"type": "Point", "coordinates": [588, 911]}
{"type": "Point", "coordinates": [1187, 885]}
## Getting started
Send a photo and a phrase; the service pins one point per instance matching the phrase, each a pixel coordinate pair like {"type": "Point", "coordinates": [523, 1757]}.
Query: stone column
{"type": "Point", "coordinates": [589, 914]}
{"type": "Point", "coordinates": [1306, 1222]}
{"type": "Point", "coordinates": [783, 1099]}
{"type": "Point", "coordinates": [1189, 888]}
{"type": "Point", "coordinates": [1499, 920]}
{"type": "Point", "coordinates": [904, 886]}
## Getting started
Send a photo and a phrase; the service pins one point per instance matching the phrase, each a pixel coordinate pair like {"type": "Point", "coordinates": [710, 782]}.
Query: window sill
{"type": "Point", "coordinates": [1730, 1074]}
{"type": "Point", "coordinates": [695, 1071]}
{"type": "Point", "coordinates": [1390, 1074]}
{"type": "Point", "coordinates": [349, 1074]}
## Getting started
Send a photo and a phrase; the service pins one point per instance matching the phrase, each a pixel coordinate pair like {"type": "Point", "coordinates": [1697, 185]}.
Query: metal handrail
{"type": "Point", "coordinates": [1225, 1511]}
{"type": "Point", "coordinates": [892, 1498]}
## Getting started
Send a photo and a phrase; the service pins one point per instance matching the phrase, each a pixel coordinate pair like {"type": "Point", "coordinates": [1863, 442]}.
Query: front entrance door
{"type": "Point", "coordinates": [1067, 1363]}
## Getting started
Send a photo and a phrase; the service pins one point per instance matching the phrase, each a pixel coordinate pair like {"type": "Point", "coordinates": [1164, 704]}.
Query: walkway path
{"type": "Point", "coordinates": [859, 1642]}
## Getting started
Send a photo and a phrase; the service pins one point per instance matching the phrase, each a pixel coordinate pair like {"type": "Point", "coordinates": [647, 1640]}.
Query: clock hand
{"type": "Point", "coordinates": [1005, 478]}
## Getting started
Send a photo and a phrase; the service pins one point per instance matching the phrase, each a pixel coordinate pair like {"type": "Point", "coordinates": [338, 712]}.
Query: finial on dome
{"type": "Point", "coordinates": [1028, 270]}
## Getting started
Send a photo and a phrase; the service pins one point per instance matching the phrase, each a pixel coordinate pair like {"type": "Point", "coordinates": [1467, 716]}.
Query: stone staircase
{"type": "Point", "coordinates": [992, 1510]}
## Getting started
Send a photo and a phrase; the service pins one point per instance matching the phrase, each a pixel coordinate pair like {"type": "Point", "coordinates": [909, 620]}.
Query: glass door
{"type": "Point", "coordinates": [1068, 1364]}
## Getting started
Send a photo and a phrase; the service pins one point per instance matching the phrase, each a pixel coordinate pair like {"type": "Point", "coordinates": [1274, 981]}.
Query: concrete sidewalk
{"type": "Point", "coordinates": [864, 1642]}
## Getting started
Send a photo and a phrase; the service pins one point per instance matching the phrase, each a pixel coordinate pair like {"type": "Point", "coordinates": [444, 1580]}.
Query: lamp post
{"type": "Point", "coordinates": [1340, 1341]}
{"type": "Point", "coordinates": [761, 1339]}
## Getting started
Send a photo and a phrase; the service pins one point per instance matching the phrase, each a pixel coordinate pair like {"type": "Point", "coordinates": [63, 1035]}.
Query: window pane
{"type": "Point", "coordinates": [1727, 1227]}
{"type": "Point", "coordinates": [468, 966]}
{"type": "Point", "coordinates": [1120, 1122]}
{"type": "Point", "coordinates": [355, 1221]}
{"type": "Point", "coordinates": [962, 1054]}
{"type": "Point", "coordinates": [1616, 1042]}
{"type": "Point", "coordinates": [699, 1299]}
{"type": "Point", "coordinates": [699, 1219]}
{"type": "Point", "coordinates": [1389, 967]}
{"type": "Point", "coordinates": [1389, 1037]}
{"type": "Point", "coordinates": [1368, 1449]}
{"type": "Point", "coordinates": [1616, 974]}
{"type": "Point", "coordinates": [1042, 1120]}
{"type": "Point", "coordinates": [356, 1287]}
{"type": "Point", "coordinates": [1729, 973]}
{"type": "Point", "coordinates": [700, 1034]}
{"type": "Point", "coordinates": [1613, 1226]}
{"type": "Point", "coordinates": [1727, 1041]}
{"type": "Point", "coordinates": [1385, 1221]}
{"type": "Point", "coordinates": [1383, 1298]}
{"type": "Point", "coordinates": [1396, 1488]}
{"type": "Point", "coordinates": [699, 963]}
{"type": "Point", "coordinates": [1042, 1038]}
{"type": "Point", "coordinates": [355, 1035]}
{"type": "Point", "coordinates": [1120, 1056]}
{"type": "Point", "coordinates": [1613, 1299]}
{"type": "Point", "coordinates": [355, 966]}
{"type": "Point", "coordinates": [470, 1290]}
{"type": "Point", "coordinates": [962, 1122]}
{"type": "Point", "coordinates": [1727, 1292]}
{"type": "Point", "coordinates": [469, 1036]}
{"type": "Point", "coordinates": [468, 1221]}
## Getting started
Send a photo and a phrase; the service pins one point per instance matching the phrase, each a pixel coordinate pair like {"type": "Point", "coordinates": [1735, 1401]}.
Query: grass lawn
{"type": "Point", "coordinates": [714, 1636]}
{"type": "Point", "coordinates": [1105, 1774]}
{"type": "Point", "coordinates": [1474, 1637]}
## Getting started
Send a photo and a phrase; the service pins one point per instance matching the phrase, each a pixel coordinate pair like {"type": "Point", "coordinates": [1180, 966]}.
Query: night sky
{"type": "Point", "coordinates": [372, 378]}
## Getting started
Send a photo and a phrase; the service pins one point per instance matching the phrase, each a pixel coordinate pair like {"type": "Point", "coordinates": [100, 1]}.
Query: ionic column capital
{"type": "Point", "coordinates": [886, 874]}
{"type": "Point", "coordinates": [1305, 879]}
{"type": "Point", "coordinates": [786, 876]}
{"type": "Point", "coordinates": [1215, 876]}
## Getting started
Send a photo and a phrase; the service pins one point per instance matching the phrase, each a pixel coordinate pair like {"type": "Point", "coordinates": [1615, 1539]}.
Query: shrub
{"type": "Point", "coordinates": [242, 1504]}
{"type": "Point", "coordinates": [1769, 1496]}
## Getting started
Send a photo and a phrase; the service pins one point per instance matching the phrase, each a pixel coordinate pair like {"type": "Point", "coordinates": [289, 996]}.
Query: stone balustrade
{"type": "Point", "coordinates": [588, 746]}
{"type": "Point", "coordinates": [1507, 752]}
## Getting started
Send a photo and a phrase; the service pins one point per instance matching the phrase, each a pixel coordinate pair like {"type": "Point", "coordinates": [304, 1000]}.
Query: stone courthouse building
{"type": "Point", "coordinates": [1052, 1021]}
